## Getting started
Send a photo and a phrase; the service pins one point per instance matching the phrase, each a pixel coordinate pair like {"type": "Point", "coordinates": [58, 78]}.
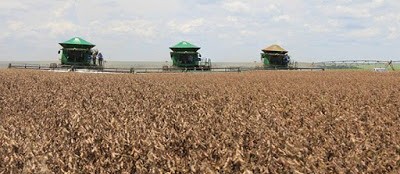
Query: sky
{"type": "Point", "coordinates": [226, 30]}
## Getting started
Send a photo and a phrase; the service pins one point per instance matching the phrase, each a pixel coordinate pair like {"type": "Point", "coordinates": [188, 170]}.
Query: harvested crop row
{"type": "Point", "coordinates": [258, 122]}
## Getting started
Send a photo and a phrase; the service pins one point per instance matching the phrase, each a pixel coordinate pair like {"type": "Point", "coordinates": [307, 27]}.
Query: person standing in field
{"type": "Point", "coordinates": [100, 57]}
{"type": "Point", "coordinates": [94, 57]}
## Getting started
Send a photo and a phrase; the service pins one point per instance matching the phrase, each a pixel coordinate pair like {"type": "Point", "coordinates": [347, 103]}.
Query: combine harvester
{"type": "Point", "coordinates": [275, 57]}
{"type": "Point", "coordinates": [184, 55]}
{"type": "Point", "coordinates": [76, 54]}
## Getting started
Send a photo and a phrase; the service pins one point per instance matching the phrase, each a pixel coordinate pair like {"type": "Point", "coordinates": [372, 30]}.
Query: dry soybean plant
{"type": "Point", "coordinates": [251, 122]}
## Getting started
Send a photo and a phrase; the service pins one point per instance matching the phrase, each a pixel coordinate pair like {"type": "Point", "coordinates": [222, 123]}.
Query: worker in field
{"type": "Point", "coordinates": [100, 57]}
{"type": "Point", "coordinates": [94, 55]}
{"type": "Point", "coordinates": [286, 59]}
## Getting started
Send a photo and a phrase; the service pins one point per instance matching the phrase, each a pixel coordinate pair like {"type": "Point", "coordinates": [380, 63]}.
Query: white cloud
{"type": "Point", "coordinates": [376, 3]}
{"type": "Point", "coordinates": [232, 19]}
{"type": "Point", "coordinates": [328, 26]}
{"type": "Point", "coordinates": [274, 8]}
{"type": "Point", "coordinates": [4, 35]}
{"type": "Point", "coordinates": [187, 26]}
{"type": "Point", "coordinates": [61, 11]}
{"type": "Point", "coordinates": [281, 18]}
{"type": "Point", "coordinates": [317, 28]}
{"type": "Point", "coordinates": [15, 25]}
{"type": "Point", "coordinates": [140, 27]}
{"type": "Point", "coordinates": [236, 6]}
{"type": "Point", "coordinates": [394, 33]}
{"type": "Point", "coordinates": [247, 33]}
{"type": "Point", "coordinates": [352, 11]}
{"type": "Point", "coordinates": [61, 27]}
{"type": "Point", "coordinates": [20, 30]}
{"type": "Point", "coordinates": [4, 4]}
{"type": "Point", "coordinates": [364, 33]}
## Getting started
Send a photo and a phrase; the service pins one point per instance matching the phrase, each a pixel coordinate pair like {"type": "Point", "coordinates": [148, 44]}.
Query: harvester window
{"type": "Point", "coordinates": [186, 58]}
{"type": "Point", "coordinates": [75, 56]}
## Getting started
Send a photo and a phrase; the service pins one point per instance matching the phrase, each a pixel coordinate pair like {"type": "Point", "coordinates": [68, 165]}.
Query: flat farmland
{"type": "Point", "coordinates": [250, 122]}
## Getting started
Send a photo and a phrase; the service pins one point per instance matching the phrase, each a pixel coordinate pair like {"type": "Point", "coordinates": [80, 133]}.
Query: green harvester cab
{"type": "Point", "coordinates": [76, 51]}
{"type": "Point", "coordinates": [185, 55]}
{"type": "Point", "coordinates": [275, 56]}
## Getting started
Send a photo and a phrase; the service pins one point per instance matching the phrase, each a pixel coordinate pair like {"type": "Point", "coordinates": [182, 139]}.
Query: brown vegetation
{"type": "Point", "coordinates": [252, 122]}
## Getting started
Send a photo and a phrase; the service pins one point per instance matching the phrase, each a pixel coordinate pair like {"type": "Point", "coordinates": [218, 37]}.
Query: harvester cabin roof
{"type": "Point", "coordinates": [184, 46]}
{"type": "Point", "coordinates": [77, 42]}
{"type": "Point", "coordinates": [274, 48]}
